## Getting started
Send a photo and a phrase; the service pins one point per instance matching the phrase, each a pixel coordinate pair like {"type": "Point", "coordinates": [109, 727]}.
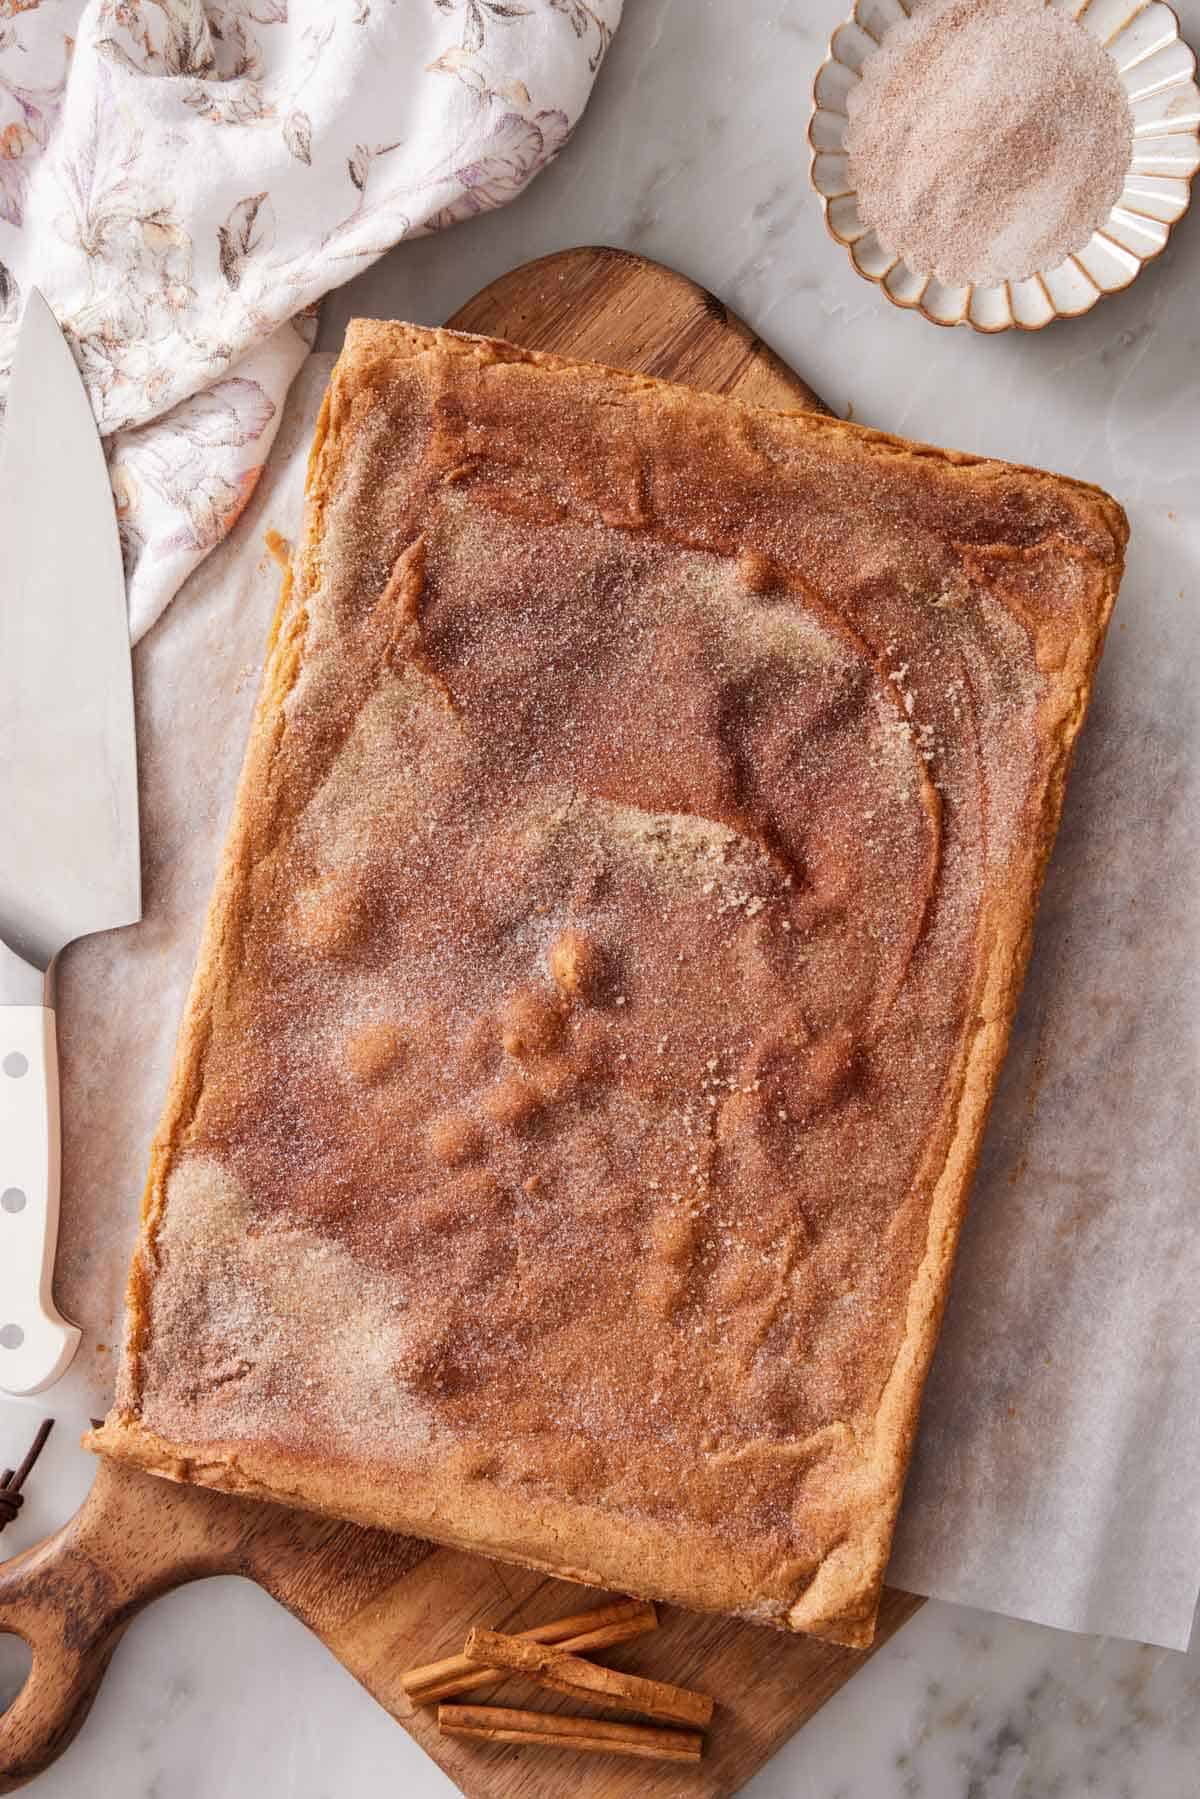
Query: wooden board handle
{"type": "Point", "coordinates": [70, 1598]}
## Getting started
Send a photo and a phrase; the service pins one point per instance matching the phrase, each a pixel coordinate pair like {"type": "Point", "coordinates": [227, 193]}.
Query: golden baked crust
{"type": "Point", "coordinates": [617, 939]}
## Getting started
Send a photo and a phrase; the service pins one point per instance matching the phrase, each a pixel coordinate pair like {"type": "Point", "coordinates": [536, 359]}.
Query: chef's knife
{"type": "Point", "coordinates": [69, 861]}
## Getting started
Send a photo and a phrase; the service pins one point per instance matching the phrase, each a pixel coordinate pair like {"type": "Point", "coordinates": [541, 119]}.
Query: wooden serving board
{"type": "Point", "coordinates": [382, 1603]}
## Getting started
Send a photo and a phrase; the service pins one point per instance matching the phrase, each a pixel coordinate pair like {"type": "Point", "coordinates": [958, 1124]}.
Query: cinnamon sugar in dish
{"type": "Point", "coordinates": [988, 138]}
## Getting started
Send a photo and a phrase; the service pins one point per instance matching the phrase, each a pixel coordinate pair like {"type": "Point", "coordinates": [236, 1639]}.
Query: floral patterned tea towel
{"type": "Point", "coordinates": [184, 179]}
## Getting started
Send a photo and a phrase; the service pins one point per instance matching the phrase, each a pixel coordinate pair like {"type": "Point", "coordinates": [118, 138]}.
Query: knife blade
{"type": "Point", "coordinates": [69, 849]}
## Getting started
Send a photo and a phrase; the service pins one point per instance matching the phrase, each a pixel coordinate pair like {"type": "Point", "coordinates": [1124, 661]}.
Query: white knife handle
{"type": "Point", "coordinates": [36, 1342]}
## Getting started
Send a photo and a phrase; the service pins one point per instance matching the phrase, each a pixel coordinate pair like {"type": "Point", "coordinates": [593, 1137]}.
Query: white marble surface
{"type": "Point", "coordinates": [693, 153]}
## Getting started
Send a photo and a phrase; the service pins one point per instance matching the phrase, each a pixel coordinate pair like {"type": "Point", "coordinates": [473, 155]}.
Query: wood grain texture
{"type": "Point", "coordinates": [73, 1596]}
{"type": "Point", "coordinates": [383, 1603]}
{"type": "Point", "coordinates": [604, 305]}
{"type": "Point", "coordinates": [765, 1684]}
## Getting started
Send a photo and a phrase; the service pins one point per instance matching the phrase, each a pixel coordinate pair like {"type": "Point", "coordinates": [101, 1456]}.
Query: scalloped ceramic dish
{"type": "Point", "coordinates": [1158, 73]}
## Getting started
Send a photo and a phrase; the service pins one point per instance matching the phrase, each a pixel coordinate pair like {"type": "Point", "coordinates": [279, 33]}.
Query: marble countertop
{"type": "Point", "coordinates": [693, 153]}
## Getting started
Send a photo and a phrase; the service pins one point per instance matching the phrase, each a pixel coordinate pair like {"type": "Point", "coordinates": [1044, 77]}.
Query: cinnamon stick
{"type": "Point", "coordinates": [618, 1622]}
{"type": "Point", "coordinates": [555, 1667]}
{"type": "Point", "coordinates": [12, 1480]}
{"type": "Point", "coordinates": [550, 1730]}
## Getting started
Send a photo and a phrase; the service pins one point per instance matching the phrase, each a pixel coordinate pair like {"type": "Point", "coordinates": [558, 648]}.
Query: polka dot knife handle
{"type": "Point", "coordinates": [36, 1342]}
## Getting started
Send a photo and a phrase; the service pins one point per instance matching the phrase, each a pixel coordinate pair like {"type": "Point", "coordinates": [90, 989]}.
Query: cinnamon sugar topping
{"type": "Point", "coordinates": [587, 1007]}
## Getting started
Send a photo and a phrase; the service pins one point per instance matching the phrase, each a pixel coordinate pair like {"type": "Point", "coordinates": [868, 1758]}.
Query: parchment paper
{"type": "Point", "coordinates": [1057, 1474]}
{"type": "Point", "coordinates": [1059, 1456]}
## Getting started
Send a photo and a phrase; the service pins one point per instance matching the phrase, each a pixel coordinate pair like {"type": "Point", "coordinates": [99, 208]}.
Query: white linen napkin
{"type": "Point", "coordinates": [184, 179]}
